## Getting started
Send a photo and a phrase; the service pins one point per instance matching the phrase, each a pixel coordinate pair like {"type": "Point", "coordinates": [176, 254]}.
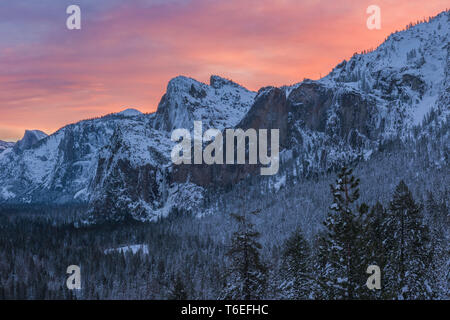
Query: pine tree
{"type": "Point", "coordinates": [178, 292]}
{"type": "Point", "coordinates": [372, 240]}
{"type": "Point", "coordinates": [246, 276]}
{"type": "Point", "coordinates": [341, 251]}
{"type": "Point", "coordinates": [438, 273]}
{"type": "Point", "coordinates": [296, 269]}
{"type": "Point", "coordinates": [407, 244]}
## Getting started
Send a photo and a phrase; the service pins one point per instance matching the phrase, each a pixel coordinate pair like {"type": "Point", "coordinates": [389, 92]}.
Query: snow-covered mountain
{"type": "Point", "coordinates": [5, 145]}
{"type": "Point", "coordinates": [126, 151]}
{"type": "Point", "coordinates": [220, 104]}
{"type": "Point", "coordinates": [130, 112]}
{"type": "Point", "coordinates": [30, 138]}
{"type": "Point", "coordinates": [120, 164]}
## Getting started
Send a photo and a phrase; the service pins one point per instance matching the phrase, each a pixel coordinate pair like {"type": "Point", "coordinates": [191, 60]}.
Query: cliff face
{"type": "Point", "coordinates": [30, 138]}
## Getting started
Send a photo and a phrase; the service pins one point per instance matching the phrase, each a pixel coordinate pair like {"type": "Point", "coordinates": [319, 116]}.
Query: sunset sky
{"type": "Point", "coordinates": [127, 51]}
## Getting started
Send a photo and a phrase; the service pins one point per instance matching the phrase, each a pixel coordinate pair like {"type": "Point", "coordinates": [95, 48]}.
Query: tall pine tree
{"type": "Point", "coordinates": [373, 236]}
{"type": "Point", "coordinates": [407, 248]}
{"type": "Point", "coordinates": [246, 276]}
{"type": "Point", "coordinates": [296, 268]}
{"type": "Point", "coordinates": [342, 270]}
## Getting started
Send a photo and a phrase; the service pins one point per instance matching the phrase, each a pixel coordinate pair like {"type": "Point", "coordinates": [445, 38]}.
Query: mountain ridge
{"type": "Point", "coordinates": [120, 163]}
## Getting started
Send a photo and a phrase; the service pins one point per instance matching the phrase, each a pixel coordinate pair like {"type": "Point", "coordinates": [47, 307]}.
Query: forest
{"type": "Point", "coordinates": [236, 256]}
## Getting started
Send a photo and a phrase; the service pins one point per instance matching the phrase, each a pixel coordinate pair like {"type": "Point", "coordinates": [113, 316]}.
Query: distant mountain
{"type": "Point", "coordinates": [30, 138]}
{"type": "Point", "coordinates": [5, 145]}
{"type": "Point", "coordinates": [120, 164]}
{"type": "Point", "coordinates": [129, 113]}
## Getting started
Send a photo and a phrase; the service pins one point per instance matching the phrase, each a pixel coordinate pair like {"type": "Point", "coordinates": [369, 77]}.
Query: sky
{"type": "Point", "coordinates": [127, 51]}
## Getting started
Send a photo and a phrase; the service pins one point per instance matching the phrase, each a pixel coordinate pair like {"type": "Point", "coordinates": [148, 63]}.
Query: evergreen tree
{"type": "Point", "coordinates": [373, 236]}
{"type": "Point", "coordinates": [408, 250]}
{"type": "Point", "coordinates": [438, 273]}
{"type": "Point", "coordinates": [342, 270]}
{"type": "Point", "coordinates": [246, 277]}
{"type": "Point", "coordinates": [178, 292]}
{"type": "Point", "coordinates": [296, 268]}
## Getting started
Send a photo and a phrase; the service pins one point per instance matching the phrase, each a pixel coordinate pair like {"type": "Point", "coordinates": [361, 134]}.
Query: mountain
{"type": "Point", "coordinates": [120, 164]}
{"type": "Point", "coordinates": [130, 112]}
{"type": "Point", "coordinates": [220, 104]}
{"type": "Point", "coordinates": [30, 138]}
{"type": "Point", "coordinates": [79, 162]}
{"type": "Point", "coordinates": [5, 145]}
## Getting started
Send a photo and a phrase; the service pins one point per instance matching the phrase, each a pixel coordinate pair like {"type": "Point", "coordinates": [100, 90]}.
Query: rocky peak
{"type": "Point", "coordinates": [30, 138]}
{"type": "Point", "coordinates": [218, 82]}
{"type": "Point", "coordinates": [221, 104]}
{"type": "Point", "coordinates": [129, 112]}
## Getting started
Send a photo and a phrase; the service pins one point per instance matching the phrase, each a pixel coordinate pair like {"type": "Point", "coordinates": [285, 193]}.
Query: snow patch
{"type": "Point", "coordinates": [130, 112]}
{"type": "Point", "coordinates": [135, 248]}
{"type": "Point", "coordinates": [5, 194]}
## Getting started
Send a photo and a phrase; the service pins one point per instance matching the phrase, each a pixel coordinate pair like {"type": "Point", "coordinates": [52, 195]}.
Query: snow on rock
{"type": "Point", "coordinates": [30, 138]}
{"type": "Point", "coordinates": [5, 194]}
{"type": "Point", "coordinates": [221, 104]}
{"type": "Point", "coordinates": [130, 112]}
{"type": "Point", "coordinates": [135, 248]}
{"type": "Point", "coordinates": [5, 145]}
{"type": "Point", "coordinates": [406, 74]}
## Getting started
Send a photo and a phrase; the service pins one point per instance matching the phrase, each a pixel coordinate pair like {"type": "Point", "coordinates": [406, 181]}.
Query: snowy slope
{"type": "Point", "coordinates": [371, 98]}
{"type": "Point", "coordinates": [5, 145]}
{"type": "Point", "coordinates": [62, 165]}
{"type": "Point", "coordinates": [130, 112]}
{"type": "Point", "coordinates": [408, 68]}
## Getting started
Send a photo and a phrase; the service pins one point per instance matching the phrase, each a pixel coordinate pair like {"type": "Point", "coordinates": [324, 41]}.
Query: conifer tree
{"type": "Point", "coordinates": [408, 251]}
{"type": "Point", "coordinates": [438, 272]}
{"type": "Point", "coordinates": [373, 236]}
{"type": "Point", "coordinates": [178, 292]}
{"type": "Point", "coordinates": [246, 277]}
{"type": "Point", "coordinates": [296, 267]}
{"type": "Point", "coordinates": [342, 269]}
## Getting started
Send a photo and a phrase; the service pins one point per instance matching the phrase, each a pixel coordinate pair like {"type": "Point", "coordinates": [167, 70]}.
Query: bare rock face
{"type": "Point", "coordinates": [269, 111]}
{"type": "Point", "coordinates": [30, 138]}
{"type": "Point", "coordinates": [313, 105]}
{"type": "Point", "coordinates": [309, 103]}
{"type": "Point", "coordinates": [354, 114]}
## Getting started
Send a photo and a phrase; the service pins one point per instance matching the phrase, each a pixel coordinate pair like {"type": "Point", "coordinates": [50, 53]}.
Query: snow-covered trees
{"type": "Point", "coordinates": [341, 272]}
{"type": "Point", "coordinates": [373, 239]}
{"type": "Point", "coordinates": [407, 244]}
{"type": "Point", "coordinates": [246, 278]}
{"type": "Point", "coordinates": [296, 267]}
{"type": "Point", "coordinates": [438, 219]}
{"type": "Point", "coordinates": [178, 292]}
{"type": "Point", "coordinates": [187, 256]}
